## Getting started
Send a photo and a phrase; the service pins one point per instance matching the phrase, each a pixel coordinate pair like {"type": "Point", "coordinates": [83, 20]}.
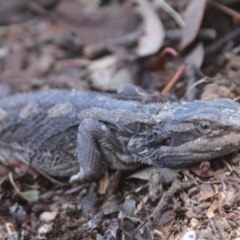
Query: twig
{"type": "Point", "coordinates": [169, 10]}
{"type": "Point", "coordinates": [205, 34]}
{"type": "Point", "coordinates": [14, 28]}
{"type": "Point", "coordinates": [221, 41]}
{"type": "Point", "coordinates": [225, 9]}
{"type": "Point", "coordinates": [157, 62]}
{"type": "Point", "coordinates": [174, 79]}
{"type": "Point", "coordinates": [201, 81]}
{"type": "Point", "coordinates": [72, 62]}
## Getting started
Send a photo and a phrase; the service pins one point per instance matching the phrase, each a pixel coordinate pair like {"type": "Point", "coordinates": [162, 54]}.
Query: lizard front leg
{"type": "Point", "coordinates": [91, 137]}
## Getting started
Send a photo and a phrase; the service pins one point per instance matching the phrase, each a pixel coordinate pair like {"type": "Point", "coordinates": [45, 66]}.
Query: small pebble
{"type": "Point", "coordinates": [190, 235]}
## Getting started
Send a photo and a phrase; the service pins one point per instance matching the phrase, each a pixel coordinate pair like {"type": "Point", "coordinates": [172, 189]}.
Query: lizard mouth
{"type": "Point", "coordinates": [186, 155]}
{"type": "Point", "coordinates": [166, 142]}
{"type": "Point", "coordinates": [183, 161]}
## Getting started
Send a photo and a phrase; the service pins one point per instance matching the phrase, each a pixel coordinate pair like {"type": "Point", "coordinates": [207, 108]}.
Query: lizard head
{"type": "Point", "coordinates": [193, 132]}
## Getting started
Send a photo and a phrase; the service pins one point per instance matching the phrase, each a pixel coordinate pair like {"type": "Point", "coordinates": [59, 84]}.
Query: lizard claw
{"type": "Point", "coordinates": [84, 177]}
{"type": "Point", "coordinates": [76, 178]}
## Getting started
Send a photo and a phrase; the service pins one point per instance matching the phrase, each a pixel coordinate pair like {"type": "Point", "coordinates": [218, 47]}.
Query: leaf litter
{"type": "Point", "coordinates": [176, 50]}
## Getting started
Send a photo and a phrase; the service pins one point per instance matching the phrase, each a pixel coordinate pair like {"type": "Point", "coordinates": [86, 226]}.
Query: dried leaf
{"type": "Point", "coordinates": [202, 173]}
{"type": "Point", "coordinates": [112, 184]}
{"type": "Point", "coordinates": [107, 22]}
{"type": "Point", "coordinates": [48, 216]}
{"type": "Point", "coordinates": [129, 206]}
{"type": "Point", "coordinates": [111, 205]}
{"type": "Point", "coordinates": [206, 191]}
{"type": "Point", "coordinates": [30, 196]}
{"type": "Point", "coordinates": [194, 223]}
{"type": "Point", "coordinates": [230, 200]}
{"type": "Point", "coordinates": [3, 170]}
{"type": "Point", "coordinates": [193, 18]}
{"type": "Point", "coordinates": [105, 75]}
{"type": "Point", "coordinates": [233, 60]}
{"type": "Point", "coordinates": [3, 232]}
{"type": "Point", "coordinates": [196, 56]}
{"type": "Point", "coordinates": [166, 219]}
{"type": "Point", "coordinates": [103, 184]}
{"type": "Point", "coordinates": [13, 234]}
{"type": "Point", "coordinates": [46, 228]}
{"type": "Point", "coordinates": [45, 62]}
{"type": "Point", "coordinates": [153, 33]}
{"type": "Point", "coordinates": [120, 77]}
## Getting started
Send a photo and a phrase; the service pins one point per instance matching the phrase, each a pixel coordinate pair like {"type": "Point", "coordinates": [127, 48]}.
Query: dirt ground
{"type": "Point", "coordinates": [176, 50]}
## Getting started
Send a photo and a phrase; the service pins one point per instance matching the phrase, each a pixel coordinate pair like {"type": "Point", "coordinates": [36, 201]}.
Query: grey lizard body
{"type": "Point", "coordinates": [81, 134]}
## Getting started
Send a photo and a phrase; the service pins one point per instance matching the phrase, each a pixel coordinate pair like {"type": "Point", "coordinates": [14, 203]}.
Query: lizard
{"type": "Point", "coordinates": [80, 134]}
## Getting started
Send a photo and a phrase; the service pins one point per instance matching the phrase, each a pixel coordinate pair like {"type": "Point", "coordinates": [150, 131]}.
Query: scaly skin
{"type": "Point", "coordinates": [62, 131]}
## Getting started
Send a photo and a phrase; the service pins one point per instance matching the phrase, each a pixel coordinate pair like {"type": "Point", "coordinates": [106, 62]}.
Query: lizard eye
{"type": "Point", "coordinates": [204, 127]}
{"type": "Point", "coordinates": [167, 142]}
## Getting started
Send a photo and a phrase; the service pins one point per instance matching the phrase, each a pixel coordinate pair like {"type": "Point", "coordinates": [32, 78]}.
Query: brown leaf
{"type": "Point", "coordinates": [194, 223]}
{"type": "Point", "coordinates": [230, 199]}
{"type": "Point", "coordinates": [3, 170]}
{"type": "Point", "coordinates": [206, 191]}
{"type": "Point", "coordinates": [202, 173]}
{"type": "Point", "coordinates": [111, 205]}
{"type": "Point", "coordinates": [220, 175]}
{"type": "Point", "coordinates": [108, 185]}
{"type": "Point", "coordinates": [196, 56]}
{"type": "Point", "coordinates": [108, 22]}
{"type": "Point", "coordinates": [46, 228]}
{"type": "Point", "coordinates": [3, 232]}
{"type": "Point", "coordinates": [29, 195]}
{"type": "Point", "coordinates": [48, 216]}
{"type": "Point", "coordinates": [193, 18]}
{"type": "Point", "coordinates": [103, 184]}
{"type": "Point", "coordinates": [233, 60]}
{"type": "Point", "coordinates": [153, 33]}
{"type": "Point", "coordinates": [105, 75]}
{"type": "Point", "coordinates": [12, 233]}
{"type": "Point", "coordinates": [166, 218]}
